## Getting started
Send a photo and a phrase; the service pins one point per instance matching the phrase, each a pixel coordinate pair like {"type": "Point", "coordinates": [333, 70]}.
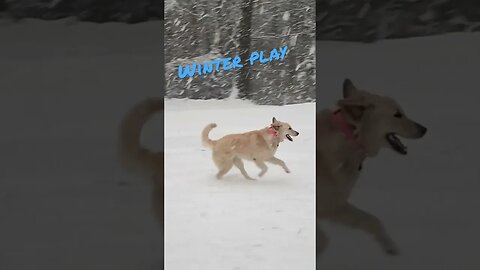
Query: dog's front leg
{"type": "Point", "coordinates": [279, 162]}
{"type": "Point", "coordinates": [356, 218]}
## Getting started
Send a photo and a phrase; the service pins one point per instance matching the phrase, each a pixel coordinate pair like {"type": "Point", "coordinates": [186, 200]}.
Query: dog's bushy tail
{"type": "Point", "coordinates": [205, 140]}
{"type": "Point", "coordinates": [132, 154]}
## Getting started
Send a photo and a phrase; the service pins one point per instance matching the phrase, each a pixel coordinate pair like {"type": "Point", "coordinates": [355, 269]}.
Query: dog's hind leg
{"type": "Point", "coordinates": [263, 167]}
{"type": "Point", "coordinates": [224, 164]}
{"type": "Point", "coordinates": [280, 163]}
{"type": "Point", "coordinates": [356, 218]}
{"type": "Point", "coordinates": [239, 164]}
{"type": "Point", "coordinates": [224, 169]}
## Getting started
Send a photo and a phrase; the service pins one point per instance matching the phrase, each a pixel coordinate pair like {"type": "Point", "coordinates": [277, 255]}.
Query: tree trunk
{"type": "Point", "coordinates": [217, 33]}
{"type": "Point", "coordinates": [195, 26]}
{"type": "Point", "coordinates": [244, 48]}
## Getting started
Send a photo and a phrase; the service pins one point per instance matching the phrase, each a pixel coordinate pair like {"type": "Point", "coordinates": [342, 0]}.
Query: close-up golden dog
{"type": "Point", "coordinates": [363, 124]}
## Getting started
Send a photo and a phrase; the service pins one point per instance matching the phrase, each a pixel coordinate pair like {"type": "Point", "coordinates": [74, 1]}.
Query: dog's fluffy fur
{"type": "Point", "coordinates": [136, 157]}
{"type": "Point", "coordinates": [376, 121]}
{"type": "Point", "coordinates": [258, 146]}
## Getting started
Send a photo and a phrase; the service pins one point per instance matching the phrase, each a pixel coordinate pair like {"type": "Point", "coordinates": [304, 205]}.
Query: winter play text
{"type": "Point", "coordinates": [196, 69]}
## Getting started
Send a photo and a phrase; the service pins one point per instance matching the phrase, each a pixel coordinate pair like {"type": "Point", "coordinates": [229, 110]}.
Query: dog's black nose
{"type": "Point", "coordinates": [422, 129]}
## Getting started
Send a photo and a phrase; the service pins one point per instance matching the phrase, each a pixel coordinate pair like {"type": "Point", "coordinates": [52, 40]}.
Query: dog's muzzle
{"type": "Point", "coordinates": [290, 137]}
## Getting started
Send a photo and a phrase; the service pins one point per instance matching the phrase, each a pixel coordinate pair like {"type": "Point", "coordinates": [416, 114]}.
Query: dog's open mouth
{"type": "Point", "coordinates": [396, 144]}
{"type": "Point", "coordinates": [289, 137]}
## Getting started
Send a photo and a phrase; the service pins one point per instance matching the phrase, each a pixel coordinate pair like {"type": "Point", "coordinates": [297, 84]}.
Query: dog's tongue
{"type": "Point", "coordinates": [396, 143]}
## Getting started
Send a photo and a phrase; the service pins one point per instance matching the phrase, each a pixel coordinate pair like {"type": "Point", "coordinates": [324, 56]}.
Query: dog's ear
{"type": "Point", "coordinates": [358, 100]}
{"type": "Point", "coordinates": [274, 120]}
{"type": "Point", "coordinates": [348, 88]}
{"type": "Point", "coordinates": [354, 106]}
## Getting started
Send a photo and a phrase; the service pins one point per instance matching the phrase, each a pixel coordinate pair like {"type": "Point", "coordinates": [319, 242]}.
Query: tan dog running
{"type": "Point", "coordinates": [136, 157]}
{"type": "Point", "coordinates": [258, 146]}
{"type": "Point", "coordinates": [362, 125]}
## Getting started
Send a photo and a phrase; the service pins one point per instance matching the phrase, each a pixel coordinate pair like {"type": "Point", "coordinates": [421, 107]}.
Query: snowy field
{"type": "Point", "coordinates": [235, 223]}
{"type": "Point", "coordinates": [428, 199]}
{"type": "Point", "coordinates": [64, 201]}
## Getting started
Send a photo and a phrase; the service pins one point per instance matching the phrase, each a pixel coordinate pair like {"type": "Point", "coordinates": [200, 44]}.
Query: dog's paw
{"type": "Point", "coordinates": [261, 174]}
{"type": "Point", "coordinates": [287, 170]}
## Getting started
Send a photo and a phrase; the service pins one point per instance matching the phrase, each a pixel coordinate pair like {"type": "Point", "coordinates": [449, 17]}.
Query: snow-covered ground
{"type": "Point", "coordinates": [64, 201]}
{"type": "Point", "coordinates": [428, 199]}
{"type": "Point", "coordinates": [235, 223]}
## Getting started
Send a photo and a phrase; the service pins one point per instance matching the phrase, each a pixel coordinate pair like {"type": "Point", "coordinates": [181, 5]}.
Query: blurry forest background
{"type": "Point", "coordinates": [372, 20]}
{"type": "Point", "coordinates": [202, 30]}
{"type": "Point", "coordinates": [129, 11]}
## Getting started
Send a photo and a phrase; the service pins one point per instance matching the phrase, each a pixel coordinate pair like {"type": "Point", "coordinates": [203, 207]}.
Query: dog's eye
{"type": "Point", "coordinates": [289, 128]}
{"type": "Point", "coordinates": [398, 115]}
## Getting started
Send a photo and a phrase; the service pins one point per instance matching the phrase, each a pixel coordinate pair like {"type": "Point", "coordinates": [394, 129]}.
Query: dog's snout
{"type": "Point", "coordinates": [421, 129]}
{"type": "Point", "coordinates": [298, 133]}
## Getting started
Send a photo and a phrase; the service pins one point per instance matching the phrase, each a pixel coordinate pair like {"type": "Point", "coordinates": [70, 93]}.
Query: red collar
{"type": "Point", "coordinates": [272, 131]}
{"type": "Point", "coordinates": [348, 130]}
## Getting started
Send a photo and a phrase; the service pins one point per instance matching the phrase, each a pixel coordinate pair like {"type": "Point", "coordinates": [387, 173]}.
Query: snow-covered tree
{"type": "Point", "coordinates": [239, 28]}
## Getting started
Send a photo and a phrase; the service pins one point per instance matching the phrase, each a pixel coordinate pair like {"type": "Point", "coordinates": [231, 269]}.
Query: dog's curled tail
{"type": "Point", "coordinates": [132, 154]}
{"type": "Point", "coordinates": [205, 140]}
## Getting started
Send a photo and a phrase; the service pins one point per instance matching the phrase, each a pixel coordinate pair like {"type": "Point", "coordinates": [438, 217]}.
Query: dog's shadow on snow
{"type": "Point", "coordinates": [239, 181]}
